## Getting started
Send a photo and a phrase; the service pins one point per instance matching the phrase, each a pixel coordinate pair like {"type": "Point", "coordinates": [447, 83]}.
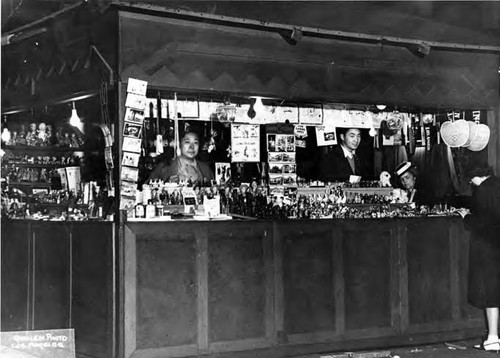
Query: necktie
{"type": "Point", "coordinates": [351, 161]}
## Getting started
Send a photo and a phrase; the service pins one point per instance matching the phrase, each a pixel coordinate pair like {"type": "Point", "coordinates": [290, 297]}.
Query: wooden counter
{"type": "Point", "coordinates": [60, 275]}
{"type": "Point", "coordinates": [292, 287]}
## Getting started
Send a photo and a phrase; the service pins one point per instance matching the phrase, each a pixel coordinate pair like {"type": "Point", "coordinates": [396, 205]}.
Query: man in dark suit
{"type": "Point", "coordinates": [341, 162]}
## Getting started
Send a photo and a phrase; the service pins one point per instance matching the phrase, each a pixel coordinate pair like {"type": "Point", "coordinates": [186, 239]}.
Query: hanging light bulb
{"type": "Point", "coordinates": [5, 131]}
{"type": "Point", "coordinates": [369, 117]}
{"type": "Point", "coordinates": [5, 135]}
{"type": "Point", "coordinates": [74, 120]}
{"type": "Point", "coordinates": [258, 106]}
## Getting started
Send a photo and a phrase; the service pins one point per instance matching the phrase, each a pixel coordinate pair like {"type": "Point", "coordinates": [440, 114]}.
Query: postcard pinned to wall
{"type": "Point", "coordinates": [136, 101]}
{"type": "Point", "coordinates": [130, 159]}
{"type": "Point", "coordinates": [134, 115]}
{"type": "Point", "coordinates": [131, 144]}
{"type": "Point", "coordinates": [312, 114]}
{"type": "Point", "coordinates": [286, 114]}
{"type": "Point", "coordinates": [132, 130]}
{"type": "Point", "coordinates": [137, 86]}
{"type": "Point", "coordinates": [127, 202]}
{"type": "Point", "coordinates": [325, 135]}
{"type": "Point", "coordinates": [130, 174]}
{"type": "Point", "coordinates": [129, 188]}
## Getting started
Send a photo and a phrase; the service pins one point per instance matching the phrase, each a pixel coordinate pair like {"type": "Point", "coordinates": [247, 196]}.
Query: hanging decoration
{"type": "Point", "coordinates": [455, 132]}
{"type": "Point", "coordinates": [481, 134]}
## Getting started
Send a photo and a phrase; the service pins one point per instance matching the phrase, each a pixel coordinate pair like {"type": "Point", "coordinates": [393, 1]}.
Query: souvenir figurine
{"type": "Point", "coordinates": [59, 137]}
{"type": "Point", "coordinates": [21, 138]}
{"type": "Point", "coordinates": [73, 143]}
{"type": "Point", "coordinates": [31, 136]}
{"type": "Point", "coordinates": [13, 138]}
{"type": "Point", "coordinates": [42, 134]}
{"type": "Point", "coordinates": [66, 141]}
{"type": "Point", "coordinates": [50, 139]}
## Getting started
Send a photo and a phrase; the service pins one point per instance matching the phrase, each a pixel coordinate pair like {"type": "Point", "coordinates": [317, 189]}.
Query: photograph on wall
{"type": "Point", "coordinates": [290, 143]}
{"type": "Point", "coordinates": [134, 115]}
{"type": "Point", "coordinates": [281, 142]}
{"type": "Point", "coordinates": [130, 159]}
{"type": "Point", "coordinates": [275, 179]}
{"type": "Point", "coordinates": [325, 135]}
{"type": "Point", "coordinates": [222, 173]}
{"type": "Point", "coordinates": [271, 142]}
{"type": "Point", "coordinates": [275, 168]}
{"type": "Point", "coordinates": [289, 180]}
{"type": "Point", "coordinates": [281, 157]}
{"type": "Point", "coordinates": [132, 130]}
{"type": "Point", "coordinates": [245, 143]}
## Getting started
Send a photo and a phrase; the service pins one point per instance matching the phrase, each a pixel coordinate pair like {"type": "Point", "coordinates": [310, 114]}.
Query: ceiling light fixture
{"type": "Point", "coordinates": [421, 49]}
{"type": "Point", "coordinates": [381, 107]}
{"type": "Point", "coordinates": [74, 120]}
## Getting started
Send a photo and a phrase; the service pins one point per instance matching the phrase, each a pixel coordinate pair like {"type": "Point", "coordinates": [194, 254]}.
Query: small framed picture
{"type": "Point", "coordinates": [132, 130]}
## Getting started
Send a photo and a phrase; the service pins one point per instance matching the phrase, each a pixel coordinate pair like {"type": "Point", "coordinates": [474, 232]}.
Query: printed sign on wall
{"type": "Point", "coordinates": [53, 343]}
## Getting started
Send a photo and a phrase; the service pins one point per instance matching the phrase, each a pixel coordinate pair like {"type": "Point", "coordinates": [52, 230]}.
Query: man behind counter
{"type": "Point", "coordinates": [341, 163]}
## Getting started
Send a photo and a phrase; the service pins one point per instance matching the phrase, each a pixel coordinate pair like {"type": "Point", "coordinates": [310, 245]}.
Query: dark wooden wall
{"type": "Point", "coordinates": [60, 275]}
{"type": "Point", "coordinates": [293, 287]}
{"type": "Point", "coordinates": [198, 56]}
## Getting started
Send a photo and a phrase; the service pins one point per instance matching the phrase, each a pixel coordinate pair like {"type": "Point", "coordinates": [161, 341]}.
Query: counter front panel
{"type": "Point", "coordinates": [293, 287]}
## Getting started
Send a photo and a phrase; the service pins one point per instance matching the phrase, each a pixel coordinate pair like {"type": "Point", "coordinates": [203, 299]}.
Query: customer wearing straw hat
{"type": "Point", "coordinates": [415, 189]}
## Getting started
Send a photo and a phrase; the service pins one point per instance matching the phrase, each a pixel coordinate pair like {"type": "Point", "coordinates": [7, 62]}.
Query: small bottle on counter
{"type": "Point", "coordinates": [150, 210]}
